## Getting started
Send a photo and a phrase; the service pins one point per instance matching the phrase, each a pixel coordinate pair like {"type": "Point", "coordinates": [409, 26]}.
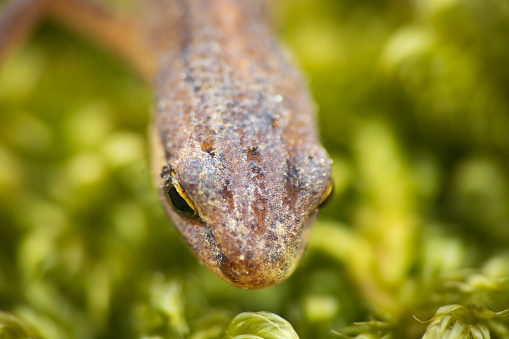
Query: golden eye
{"type": "Point", "coordinates": [178, 197]}
{"type": "Point", "coordinates": [328, 196]}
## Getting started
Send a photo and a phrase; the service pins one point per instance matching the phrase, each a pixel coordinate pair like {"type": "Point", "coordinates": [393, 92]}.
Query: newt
{"type": "Point", "coordinates": [235, 145]}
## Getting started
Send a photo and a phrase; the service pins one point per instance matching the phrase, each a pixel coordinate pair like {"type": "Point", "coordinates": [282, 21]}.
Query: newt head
{"type": "Point", "coordinates": [245, 211]}
{"type": "Point", "coordinates": [243, 172]}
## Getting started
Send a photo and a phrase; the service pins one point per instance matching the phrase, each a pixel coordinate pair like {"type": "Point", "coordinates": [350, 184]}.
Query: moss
{"type": "Point", "coordinates": [414, 110]}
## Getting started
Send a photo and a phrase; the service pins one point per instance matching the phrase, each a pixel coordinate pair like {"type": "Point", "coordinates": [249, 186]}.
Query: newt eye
{"type": "Point", "coordinates": [328, 197]}
{"type": "Point", "coordinates": [178, 198]}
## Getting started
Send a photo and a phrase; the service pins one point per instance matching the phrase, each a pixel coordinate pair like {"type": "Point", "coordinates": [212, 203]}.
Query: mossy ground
{"type": "Point", "coordinates": [414, 109]}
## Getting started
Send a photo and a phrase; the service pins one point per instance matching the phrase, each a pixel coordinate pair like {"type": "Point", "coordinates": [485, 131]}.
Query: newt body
{"type": "Point", "coordinates": [239, 133]}
{"type": "Point", "coordinates": [243, 172]}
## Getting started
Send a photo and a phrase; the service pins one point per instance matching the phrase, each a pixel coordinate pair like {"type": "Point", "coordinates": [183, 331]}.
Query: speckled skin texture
{"type": "Point", "coordinates": [238, 129]}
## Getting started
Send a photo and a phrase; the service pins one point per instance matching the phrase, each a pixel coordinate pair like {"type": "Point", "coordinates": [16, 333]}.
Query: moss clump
{"type": "Point", "coordinates": [414, 110]}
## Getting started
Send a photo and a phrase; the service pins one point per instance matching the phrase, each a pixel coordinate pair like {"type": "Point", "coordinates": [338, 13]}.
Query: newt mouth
{"type": "Point", "coordinates": [250, 269]}
{"type": "Point", "coordinates": [249, 272]}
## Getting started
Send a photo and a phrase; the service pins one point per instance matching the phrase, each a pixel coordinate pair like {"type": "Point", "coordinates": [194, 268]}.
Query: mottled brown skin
{"type": "Point", "coordinates": [233, 124]}
{"type": "Point", "coordinates": [239, 131]}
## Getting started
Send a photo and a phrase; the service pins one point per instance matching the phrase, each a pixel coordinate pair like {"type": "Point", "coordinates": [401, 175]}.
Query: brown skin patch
{"type": "Point", "coordinates": [238, 129]}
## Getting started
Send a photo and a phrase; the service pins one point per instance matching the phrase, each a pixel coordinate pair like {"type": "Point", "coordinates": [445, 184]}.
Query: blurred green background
{"type": "Point", "coordinates": [413, 98]}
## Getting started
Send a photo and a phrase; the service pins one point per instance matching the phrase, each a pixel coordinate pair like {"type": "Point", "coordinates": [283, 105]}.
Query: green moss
{"type": "Point", "coordinates": [414, 110]}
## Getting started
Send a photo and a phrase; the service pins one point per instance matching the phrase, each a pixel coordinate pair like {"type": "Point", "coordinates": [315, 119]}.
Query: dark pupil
{"type": "Point", "coordinates": [178, 203]}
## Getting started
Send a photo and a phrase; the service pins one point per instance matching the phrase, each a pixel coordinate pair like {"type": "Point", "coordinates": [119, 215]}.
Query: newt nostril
{"type": "Point", "coordinates": [238, 270]}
